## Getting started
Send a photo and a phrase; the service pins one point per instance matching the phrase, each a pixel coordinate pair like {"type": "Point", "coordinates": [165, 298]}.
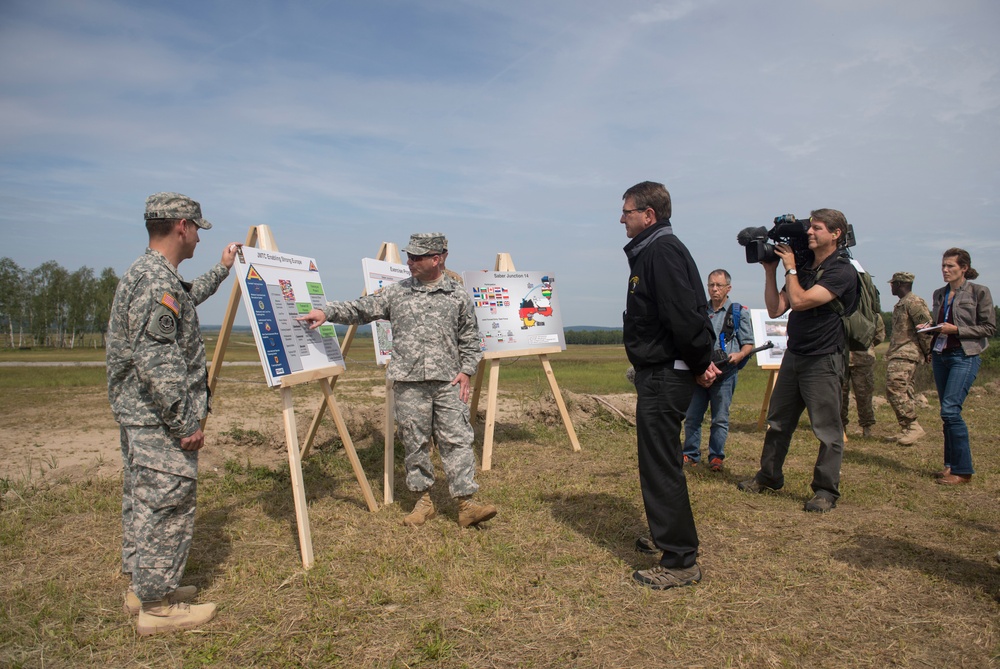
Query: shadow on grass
{"type": "Point", "coordinates": [609, 521]}
{"type": "Point", "coordinates": [857, 457]}
{"type": "Point", "coordinates": [877, 552]}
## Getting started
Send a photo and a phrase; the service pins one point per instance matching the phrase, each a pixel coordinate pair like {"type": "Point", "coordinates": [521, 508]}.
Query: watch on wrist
{"type": "Point", "coordinates": [792, 271]}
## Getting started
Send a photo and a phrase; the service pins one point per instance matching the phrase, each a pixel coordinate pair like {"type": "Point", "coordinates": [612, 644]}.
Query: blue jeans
{"type": "Point", "coordinates": [954, 373]}
{"type": "Point", "coordinates": [720, 396]}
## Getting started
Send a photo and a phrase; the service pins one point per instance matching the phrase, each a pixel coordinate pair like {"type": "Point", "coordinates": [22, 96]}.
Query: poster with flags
{"type": "Point", "coordinates": [277, 288]}
{"type": "Point", "coordinates": [516, 310]}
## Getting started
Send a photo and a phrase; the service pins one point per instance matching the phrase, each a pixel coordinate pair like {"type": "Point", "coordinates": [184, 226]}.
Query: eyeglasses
{"type": "Point", "coordinates": [410, 256]}
{"type": "Point", "coordinates": [718, 285]}
{"type": "Point", "coordinates": [626, 212]}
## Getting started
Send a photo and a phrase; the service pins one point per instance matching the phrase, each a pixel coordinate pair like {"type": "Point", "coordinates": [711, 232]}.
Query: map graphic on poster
{"type": "Point", "coordinates": [278, 287]}
{"type": "Point", "coordinates": [516, 310]}
{"type": "Point", "coordinates": [378, 274]}
{"type": "Point", "coordinates": [767, 329]}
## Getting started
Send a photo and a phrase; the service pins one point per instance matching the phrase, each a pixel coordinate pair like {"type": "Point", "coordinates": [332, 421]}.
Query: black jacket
{"type": "Point", "coordinates": [665, 310]}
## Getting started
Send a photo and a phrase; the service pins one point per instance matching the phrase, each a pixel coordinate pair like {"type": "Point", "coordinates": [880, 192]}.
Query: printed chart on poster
{"type": "Point", "coordinates": [277, 288]}
{"type": "Point", "coordinates": [378, 274]}
{"type": "Point", "coordinates": [516, 310]}
{"type": "Point", "coordinates": [767, 329]}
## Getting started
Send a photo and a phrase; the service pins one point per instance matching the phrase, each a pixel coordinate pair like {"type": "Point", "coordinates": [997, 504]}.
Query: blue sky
{"type": "Point", "coordinates": [510, 126]}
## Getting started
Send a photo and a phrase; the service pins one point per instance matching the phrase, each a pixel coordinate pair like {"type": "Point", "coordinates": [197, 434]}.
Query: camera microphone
{"type": "Point", "coordinates": [747, 235]}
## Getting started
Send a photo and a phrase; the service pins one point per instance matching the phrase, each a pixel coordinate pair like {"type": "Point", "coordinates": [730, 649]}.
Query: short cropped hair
{"type": "Point", "coordinates": [160, 227]}
{"type": "Point", "coordinates": [652, 195]}
{"type": "Point", "coordinates": [729, 279]}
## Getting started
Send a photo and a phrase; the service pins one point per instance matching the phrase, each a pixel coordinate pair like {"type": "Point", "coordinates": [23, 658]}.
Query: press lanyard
{"type": "Point", "coordinates": [942, 339]}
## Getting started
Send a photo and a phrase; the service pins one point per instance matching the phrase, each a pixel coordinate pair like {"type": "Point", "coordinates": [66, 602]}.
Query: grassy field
{"type": "Point", "coordinates": [901, 574]}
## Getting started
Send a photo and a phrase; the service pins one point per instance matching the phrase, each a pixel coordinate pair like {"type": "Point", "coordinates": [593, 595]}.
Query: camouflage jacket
{"type": "Point", "coordinates": [155, 353]}
{"type": "Point", "coordinates": [435, 334]}
{"type": "Point", "coordinates": [905, 343]}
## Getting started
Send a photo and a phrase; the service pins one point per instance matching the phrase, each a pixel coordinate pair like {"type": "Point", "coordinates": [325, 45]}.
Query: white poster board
{"type": "Point", "coordinates": [378, 274]}
{"type": "Point", "coordinates": [767, 329]}
{"type": "Point", "coordinates": [516, 310]}
{"type": "Point", "coordinates": [277, 287]}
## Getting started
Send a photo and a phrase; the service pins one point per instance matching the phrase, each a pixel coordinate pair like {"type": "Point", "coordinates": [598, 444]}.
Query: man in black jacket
{"type": "Point", "coordinates": [668, 339]}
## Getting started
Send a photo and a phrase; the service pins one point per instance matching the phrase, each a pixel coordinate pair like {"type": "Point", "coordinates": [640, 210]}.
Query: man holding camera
{"type": "Point", "coordinates": [668, 339]}
{"type": "Point", "coordinates": [812, 367]}
{"type": "Point", "coordinates": [733, 343]}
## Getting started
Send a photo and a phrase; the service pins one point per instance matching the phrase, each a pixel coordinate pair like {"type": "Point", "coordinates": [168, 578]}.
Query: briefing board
{"type": "Point", "coordinates": [277, 288]}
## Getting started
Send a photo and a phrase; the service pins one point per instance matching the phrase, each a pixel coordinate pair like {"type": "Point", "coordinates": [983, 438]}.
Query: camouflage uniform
{"type": "Point", "coordinates": [907, 349]}
{"type": "Point", "coordinates": [435, 336]}
{"type": "Point", "coordinates": [158, 389]}
{"type": "Point", "coordinates": [860, 376]}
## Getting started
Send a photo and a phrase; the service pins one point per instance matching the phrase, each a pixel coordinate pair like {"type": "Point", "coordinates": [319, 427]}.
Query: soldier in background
{"type": "Point", "coordinates": [158, 389]}
{"type": "Point", "coordinates": [861, 376]}
{"type": "Point", "coordinates": [435, 351]}
{"type": "Point", "coordinates": [907, 349]}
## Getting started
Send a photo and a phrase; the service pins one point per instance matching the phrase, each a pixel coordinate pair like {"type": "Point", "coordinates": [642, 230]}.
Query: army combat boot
{"type": "Point", "coordinates": [470, 513]}
{"type": "Point", "coordinates": [161, 617]}
{"type": "Point", "coordinates": [185, 593]}
{"type": "Point", "coordinates": [423, 511]}
{"type": "Point", "coordinates": [911, 434]}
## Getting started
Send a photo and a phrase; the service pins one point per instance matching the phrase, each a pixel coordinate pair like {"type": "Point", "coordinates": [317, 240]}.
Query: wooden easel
{"type": "Point", "coordinates": [262, 234]}
{"type": "Point", "coordinates": [773, 379]}
{"type": "Point", "coordinates": [388, 252]}
{"type": "Point", "coordinates": [504, 263]}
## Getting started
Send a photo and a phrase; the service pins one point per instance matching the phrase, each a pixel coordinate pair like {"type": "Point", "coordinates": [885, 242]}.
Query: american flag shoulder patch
{"type": "Point", "coordinates": [170, 303]}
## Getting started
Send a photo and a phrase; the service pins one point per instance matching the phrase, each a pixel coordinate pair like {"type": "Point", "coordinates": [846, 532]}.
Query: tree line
{"type": "Point", "coordinates": [51, 306]}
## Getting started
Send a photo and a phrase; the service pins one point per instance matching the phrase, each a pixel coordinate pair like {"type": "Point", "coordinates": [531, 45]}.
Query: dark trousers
{"type": "Point", "coordinates": [810, 382]}
{"type": "Point", "coordinates": [663, 398]}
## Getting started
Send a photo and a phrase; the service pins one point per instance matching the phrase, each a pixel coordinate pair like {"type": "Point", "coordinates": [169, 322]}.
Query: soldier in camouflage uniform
{"type": "Point", "coordinates": [157, 386]}
{"type": "Point", "coordinates": [435, 350]}
{"type": "Point", "coordinates": [907, 349]}
{"type": "Point", "coordinates": [861, 377]}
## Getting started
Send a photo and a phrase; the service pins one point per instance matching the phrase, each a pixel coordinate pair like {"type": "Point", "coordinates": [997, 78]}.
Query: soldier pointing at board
{"type": "Point", "coordinates": [435, 352]}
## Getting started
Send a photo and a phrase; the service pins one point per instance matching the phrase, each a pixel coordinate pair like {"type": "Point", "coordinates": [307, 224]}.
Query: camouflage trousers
{"type": "Point", "coordinates": [862, 378]}
{"type": "Point", "coordinates": [899, 390]}
{"type": "Point", "coordinates": [157, 520]}
{"type": "Point", "coordinates": [426, 409]}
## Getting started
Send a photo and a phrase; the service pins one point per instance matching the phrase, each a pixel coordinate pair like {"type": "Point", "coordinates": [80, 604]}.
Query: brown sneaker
{"type": "Point", "coordinates": [941, 474]}
{"type": "Point", "coordinates": [423, 511]}
{"type": "Point", "coordinates": [471, 513]}
{"type": "Point", "coordinates": [910, 436]}
{"type": "Point", "coordinates": [162, 617]}
{"type": "Point", "coordinates": [185, 593]}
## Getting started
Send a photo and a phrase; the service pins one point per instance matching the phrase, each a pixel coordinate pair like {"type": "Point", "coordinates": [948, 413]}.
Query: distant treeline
{"type": "Point", "coordinates": [593, 336]}
{"type": "Point", "coordinates": [51, 306]}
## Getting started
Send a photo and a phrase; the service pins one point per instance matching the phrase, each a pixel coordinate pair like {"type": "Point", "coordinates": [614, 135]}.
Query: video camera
{"type": "Point", "coordinates": [787, 230]}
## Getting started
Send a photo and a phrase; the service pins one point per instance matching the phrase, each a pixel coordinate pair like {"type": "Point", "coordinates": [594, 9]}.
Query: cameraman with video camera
{"type": "Point", "coordinates": [812, 367]}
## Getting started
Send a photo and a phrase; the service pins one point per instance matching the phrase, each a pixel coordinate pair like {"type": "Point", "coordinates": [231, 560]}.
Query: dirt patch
{"type": "Point", "coordinates": [71, 434]}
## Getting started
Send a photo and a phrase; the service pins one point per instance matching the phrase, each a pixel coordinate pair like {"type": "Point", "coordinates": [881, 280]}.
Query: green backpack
{"type": "Point", "coordinates": [862, 324]}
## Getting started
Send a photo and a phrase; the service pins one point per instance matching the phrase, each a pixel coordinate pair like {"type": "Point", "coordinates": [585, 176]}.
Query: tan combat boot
{"type": "Point", "coordinates": [185, 593]}
{"type": "Point", "coordinates": [470, 513]}
{"type": "Point", "coordinates": [162, 616]}
{"type": "Point", "coordinates": [423, 511]}
{"type": "Point", "coordinates": [910, 436]}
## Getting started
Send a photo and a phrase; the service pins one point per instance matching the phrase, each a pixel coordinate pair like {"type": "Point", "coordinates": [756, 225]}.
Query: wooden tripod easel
{"type": "Point", "coordinates": [773, 379]}
{"type": "Point", "coordinates": [262, 234]}
{"type": "Point", "coordinates": [388, 252]}
{"type": "Point", "coordinates": [504, 263]}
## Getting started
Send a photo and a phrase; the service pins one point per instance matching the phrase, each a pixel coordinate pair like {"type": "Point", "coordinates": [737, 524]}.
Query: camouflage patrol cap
{"type": "Point", "coordinates": [426, 243]}
{"type": "Point", "coordinates": [174, 206]}
{"type": "Point", "coordinates": [902, 277]}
